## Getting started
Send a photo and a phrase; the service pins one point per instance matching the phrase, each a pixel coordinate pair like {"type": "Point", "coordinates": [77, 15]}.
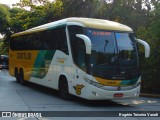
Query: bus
{"type": "Point", "coordinates": [94, 59]}
{"type": "Point", "coordinates": [3, 61]}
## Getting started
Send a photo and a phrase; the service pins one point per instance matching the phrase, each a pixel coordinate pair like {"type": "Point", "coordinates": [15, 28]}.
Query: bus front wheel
{"type": "Point", "coordinates": [63, 89]}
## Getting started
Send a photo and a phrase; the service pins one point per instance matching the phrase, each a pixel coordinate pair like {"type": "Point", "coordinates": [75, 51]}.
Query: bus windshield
{"type": "Point", "coordinates": [114, 55]}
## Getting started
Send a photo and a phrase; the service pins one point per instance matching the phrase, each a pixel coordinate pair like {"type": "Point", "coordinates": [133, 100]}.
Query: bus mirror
{"type": "Point", "coordinates": [87, 42]}
{"type": "Point", "coordinates": [146, 46]}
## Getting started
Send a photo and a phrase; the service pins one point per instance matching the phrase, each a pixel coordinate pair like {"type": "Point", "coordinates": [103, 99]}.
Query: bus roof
{"type": "Point", "coordinates": [86, 22]}
{"type": "Point", "coordinates": [100, 24]}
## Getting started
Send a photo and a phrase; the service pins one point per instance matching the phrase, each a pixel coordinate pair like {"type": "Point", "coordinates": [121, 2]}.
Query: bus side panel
{"type": "Point", "coordinates": [24, 60]}
{"type": "Point", "coordinates": [44, 70]}
{"type": "Point", "coordinates": [59, 65]}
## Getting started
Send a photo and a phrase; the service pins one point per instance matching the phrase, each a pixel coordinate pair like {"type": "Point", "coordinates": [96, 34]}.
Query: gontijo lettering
{"type": "Point", "coordinates": [26, 56]}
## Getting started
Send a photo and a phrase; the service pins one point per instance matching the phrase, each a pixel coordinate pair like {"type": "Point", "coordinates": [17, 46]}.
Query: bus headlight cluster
{"type": "Point", "coordinates": [137, 84]}
{"type": "Point", "coordinates": [93, 83]}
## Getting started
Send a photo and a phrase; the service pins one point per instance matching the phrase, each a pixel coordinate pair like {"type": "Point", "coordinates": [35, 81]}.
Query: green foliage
{"type": "Point", "coordinates": [18, 19]}
{"type": "Point", "coordinates": [53, 11]}
{"type": "Point", "coordinates": [4, 27]}
{"type": "Point", "coordinates": [4, 18]}
{"type": "Point", "coordinates": [80, 8]}
{"type": "Point", "coordinates": [22, 19]}
{"type": "Point", "coordinates": [151, 67]}
{"type": "Point", "coordinates": [4, 48]}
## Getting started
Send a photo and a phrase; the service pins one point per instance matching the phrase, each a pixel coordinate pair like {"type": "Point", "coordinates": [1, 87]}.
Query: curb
{"type": "Point", "coordinates": [149, 95]}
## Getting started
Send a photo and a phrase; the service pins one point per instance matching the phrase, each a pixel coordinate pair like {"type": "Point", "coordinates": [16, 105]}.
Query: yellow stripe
{"type": "Point", "coordinates": [108, 82]}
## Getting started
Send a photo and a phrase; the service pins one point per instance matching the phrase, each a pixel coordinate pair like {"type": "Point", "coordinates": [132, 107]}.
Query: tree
{"type": "Point", "coordinates": [4, 28]}
{"type": "Point", "coordinates": [80, 8]}
{"type": "Point", "coordinates": [18, 17]}
{"type": "Point", "coordinates": [53, 11]}
{"type": "Point", "coordinates": [151, 66]}
{"type": "Point", "coordinates": [4, 18]}
{"type": "Point", "coordinates": [22, 19]}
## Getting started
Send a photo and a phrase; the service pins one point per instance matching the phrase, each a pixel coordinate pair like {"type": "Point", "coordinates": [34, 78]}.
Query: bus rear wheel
{"type": "Point", "coordinates": [63, 89]}
{"type": "Point", "coordinates": [21, 77]}
{"type": "Point", "coordinates": [16, 75]}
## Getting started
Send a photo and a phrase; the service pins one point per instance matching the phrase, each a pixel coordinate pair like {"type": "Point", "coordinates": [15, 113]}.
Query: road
{"type": "Point", "coordinates": [31, 97]}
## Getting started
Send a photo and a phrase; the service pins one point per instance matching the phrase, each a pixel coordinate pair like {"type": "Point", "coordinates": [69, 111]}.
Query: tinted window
{"type": "Point", "coordinates": [45, 40]}
{"type": "Point", "coordinates": [77, 46]}
{"type": "Point", "coordinates": [113, 54]}
{"type": "Point", "coordinates": [103, 58]}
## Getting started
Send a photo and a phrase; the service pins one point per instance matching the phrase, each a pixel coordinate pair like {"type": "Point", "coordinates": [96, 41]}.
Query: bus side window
{"type": "Point", "coordinates": [77, 46]}
{"type": "Point", "coordinates": [80, 54]}
{"type": "Point", "coordinates": [59, 39]}
{"type": "Point", "coordinates": [50, 41]}
{"type": "Point", "coordinates": [44, 36]}
{"type": "Point", "coordinates": [36, 41]}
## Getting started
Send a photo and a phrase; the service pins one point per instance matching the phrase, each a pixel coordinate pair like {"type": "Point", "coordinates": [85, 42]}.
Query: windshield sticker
{"type": "Point", "coordinates": [118, 36]}
{"type": "Point", "coordinates": [101, 33]}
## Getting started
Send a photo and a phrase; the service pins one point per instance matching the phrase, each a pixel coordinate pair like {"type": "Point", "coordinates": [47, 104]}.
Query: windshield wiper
{"type": "Point", "coordinates": [105, 44]}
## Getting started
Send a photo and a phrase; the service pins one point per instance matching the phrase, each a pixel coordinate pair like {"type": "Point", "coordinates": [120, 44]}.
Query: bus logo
{"type": "Point", "coordinates": [78, 88]}
{"type": "Point", "coordinates": [118, 88]}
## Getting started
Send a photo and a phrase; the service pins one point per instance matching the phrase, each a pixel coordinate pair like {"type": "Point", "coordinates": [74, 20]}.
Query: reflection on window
{"type": "Point", "coordinates": [77, 46]}
{"type": "Point", "coordinates": [103, 58]}
{"type": "Point", "coordinates": [103, 48]}
{"type": "Point", "coordinates": [126, 54]}
{"type": "Point", "coordinates": [126, 46]}
{"type": "Point", "coordinates": [54, 39]}
{"type": "Point", "coordinates": [113, 54]}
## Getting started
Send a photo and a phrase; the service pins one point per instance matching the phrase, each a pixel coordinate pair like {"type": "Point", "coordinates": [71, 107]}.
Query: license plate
{"type": "Point", "coordinates": [118, 95]}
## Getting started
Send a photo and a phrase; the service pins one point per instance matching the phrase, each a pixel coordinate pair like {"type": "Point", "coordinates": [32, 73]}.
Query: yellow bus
{"type": "Point", "coordinates": [90, 58]}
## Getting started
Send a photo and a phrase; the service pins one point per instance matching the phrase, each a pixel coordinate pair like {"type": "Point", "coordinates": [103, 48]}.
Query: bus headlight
{"type": "Point", "coordinates": [137, 84]}
{"type": "Point", "coordinates": [96, 84]}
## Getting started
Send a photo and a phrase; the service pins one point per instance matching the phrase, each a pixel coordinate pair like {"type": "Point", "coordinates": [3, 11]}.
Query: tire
{"type": "Point", "coordinates": [21, 77]}
{"type": "Point", "coordinates": [16, 75]}
{"type": "Point", "coordinates": [63, 89]}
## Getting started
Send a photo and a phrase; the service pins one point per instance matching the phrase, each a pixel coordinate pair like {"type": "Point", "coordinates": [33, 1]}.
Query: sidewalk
{"type": "Point", "coordinates": [149, 95]}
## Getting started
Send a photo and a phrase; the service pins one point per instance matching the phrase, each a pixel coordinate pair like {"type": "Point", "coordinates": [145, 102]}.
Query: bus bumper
{"type": "Point", "coordinates": [95, 93]}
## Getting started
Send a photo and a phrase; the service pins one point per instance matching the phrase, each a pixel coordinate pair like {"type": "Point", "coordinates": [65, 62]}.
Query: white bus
{"type": "Point", "coordinates": [90, 58]}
